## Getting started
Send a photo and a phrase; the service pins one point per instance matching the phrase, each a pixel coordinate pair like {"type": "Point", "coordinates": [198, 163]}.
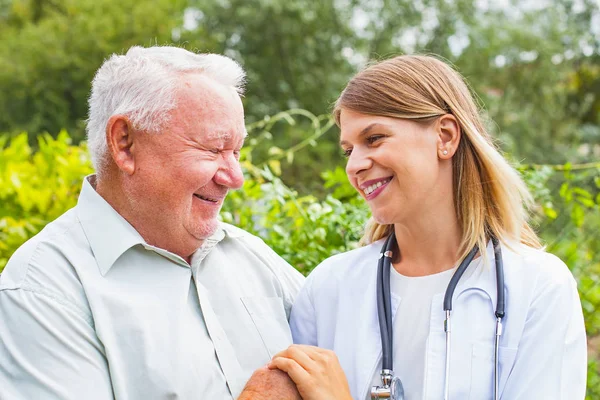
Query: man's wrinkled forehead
{"type": "Point", "coordinates": [226, 136]}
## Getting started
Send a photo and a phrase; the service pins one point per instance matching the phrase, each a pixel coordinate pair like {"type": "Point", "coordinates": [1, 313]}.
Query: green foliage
{"type": "Point", "coordinates": [36, 188]}
{"type": "Point", "coordinates": [301, 229]}
{"type": "Point", "coordinates": [49, 52]}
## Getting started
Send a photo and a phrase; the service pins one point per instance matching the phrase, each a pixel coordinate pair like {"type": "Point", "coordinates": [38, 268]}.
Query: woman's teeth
{"type": "Point", "coordinates": [374, 186]}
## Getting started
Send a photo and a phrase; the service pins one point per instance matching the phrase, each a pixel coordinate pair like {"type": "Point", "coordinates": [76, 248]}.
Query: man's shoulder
{"type": "Point", "coordinates": [262, 253]}
{"type": "Point", "coordinates": [46, 263]}
{"type": "Point", "coordinates": [247, 239]}
{"type": "Point", "coordinates": [236, 232]}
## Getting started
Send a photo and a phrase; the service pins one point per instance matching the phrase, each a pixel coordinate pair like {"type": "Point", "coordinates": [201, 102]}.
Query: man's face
{"type": "Point", "coordinates": [184, 173]}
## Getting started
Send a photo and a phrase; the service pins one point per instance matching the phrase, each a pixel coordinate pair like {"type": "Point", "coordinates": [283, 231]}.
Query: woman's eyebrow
{"type": "Point", "coordinates": [365, 131]}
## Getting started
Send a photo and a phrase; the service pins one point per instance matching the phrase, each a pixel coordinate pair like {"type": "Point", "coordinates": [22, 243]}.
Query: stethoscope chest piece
{"type": "Point", "coordinates": [391, 389]}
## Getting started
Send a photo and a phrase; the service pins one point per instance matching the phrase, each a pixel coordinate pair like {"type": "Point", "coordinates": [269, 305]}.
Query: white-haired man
{"type": "Point", "coordinates": [139, 292]}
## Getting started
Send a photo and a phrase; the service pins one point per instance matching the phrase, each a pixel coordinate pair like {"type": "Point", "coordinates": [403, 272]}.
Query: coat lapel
{"type": "Point", "coordinates": [360, 350]}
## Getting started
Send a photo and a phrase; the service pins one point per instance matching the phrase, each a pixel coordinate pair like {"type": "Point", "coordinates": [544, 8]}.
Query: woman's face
{"type": "Point", "coordinates": [394, 164]}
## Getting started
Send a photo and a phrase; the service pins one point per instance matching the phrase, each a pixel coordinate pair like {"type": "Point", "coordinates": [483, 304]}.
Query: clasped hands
{"type": "Point", "coordinates": [316, 372]}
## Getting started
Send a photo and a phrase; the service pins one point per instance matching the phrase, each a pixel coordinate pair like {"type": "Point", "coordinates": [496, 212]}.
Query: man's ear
{"type": "Point", "coordinates": [120, 140]}
{"type": "Point", "coordinates": [448, 136]}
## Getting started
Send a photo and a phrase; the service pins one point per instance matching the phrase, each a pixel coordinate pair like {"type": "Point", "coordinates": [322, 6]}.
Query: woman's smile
{"type": "Point", "coordinates": [374, 187]}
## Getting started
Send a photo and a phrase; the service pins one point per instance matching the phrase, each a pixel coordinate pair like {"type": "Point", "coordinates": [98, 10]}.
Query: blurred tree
{"type": "Point", "coordinates": [296, 55]}
{"type": "Point", "coordinates": [535, 66]}
{"type": "Point", "coordinates": [50, 49]}
{"type": "Point", "coordinates": [525, 63]}
{"type": "Point", "coordinates": [293, 50]}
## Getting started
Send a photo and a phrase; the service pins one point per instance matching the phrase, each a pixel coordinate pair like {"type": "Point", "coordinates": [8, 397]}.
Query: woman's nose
{"type": "Point", "coordinates": [357, 162]}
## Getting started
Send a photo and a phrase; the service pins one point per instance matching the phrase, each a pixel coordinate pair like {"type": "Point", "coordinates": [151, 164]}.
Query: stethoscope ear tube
{"type": "Point", "coordinates": [384, 303]}
{"type": "Point", "coordinates": [500, 303]}
{"type": "Point", "coordinates": [456, 278]}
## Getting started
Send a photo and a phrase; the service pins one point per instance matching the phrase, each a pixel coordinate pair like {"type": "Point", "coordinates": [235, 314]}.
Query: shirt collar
{"type": "Point", "coordinates": [110, 235]}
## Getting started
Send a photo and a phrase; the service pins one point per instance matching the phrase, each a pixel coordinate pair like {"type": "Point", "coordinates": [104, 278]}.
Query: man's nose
{"type": "Point", "coordinates": [230, 173]}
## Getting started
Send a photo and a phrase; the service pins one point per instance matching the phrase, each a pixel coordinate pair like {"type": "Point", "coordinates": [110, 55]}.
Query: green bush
{"type": "Point", "coordinates": [35, 188]}
{"type": "Point", "coordinates": [38, 186]}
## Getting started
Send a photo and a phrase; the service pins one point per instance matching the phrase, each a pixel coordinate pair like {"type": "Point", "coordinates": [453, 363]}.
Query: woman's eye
{"type": "Point", "coordinates": [347, 152]}
{"type": "Point", "coordinates": [215, 151]}
{"type": "Point", "coordinates": [373, 138]}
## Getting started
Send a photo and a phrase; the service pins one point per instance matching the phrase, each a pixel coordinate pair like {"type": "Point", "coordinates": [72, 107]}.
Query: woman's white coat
{"type": "Point", "coordinates": [542, 350]}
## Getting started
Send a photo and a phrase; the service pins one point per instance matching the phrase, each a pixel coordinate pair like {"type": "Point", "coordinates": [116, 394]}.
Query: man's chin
{"type": "Point", "coordinates": [205, 230]}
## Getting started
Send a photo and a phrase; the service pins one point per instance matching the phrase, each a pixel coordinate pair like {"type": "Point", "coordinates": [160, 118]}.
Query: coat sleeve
{"type": "Point", "coordinates": [551, 361]}
{"type": "Point", "coordinates": [49, 349]}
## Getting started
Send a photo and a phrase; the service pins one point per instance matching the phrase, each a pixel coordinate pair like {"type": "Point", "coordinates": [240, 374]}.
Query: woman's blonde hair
{"type": "Point", "coordinates": [490, 198]}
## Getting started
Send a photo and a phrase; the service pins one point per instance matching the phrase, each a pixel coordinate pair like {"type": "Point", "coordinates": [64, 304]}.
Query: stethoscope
{"type": "Point", "coordinates": [392, 385]}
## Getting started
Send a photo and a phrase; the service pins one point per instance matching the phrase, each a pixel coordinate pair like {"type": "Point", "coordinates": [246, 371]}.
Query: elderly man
{"type": "Point", "coordinates": [139, 292]}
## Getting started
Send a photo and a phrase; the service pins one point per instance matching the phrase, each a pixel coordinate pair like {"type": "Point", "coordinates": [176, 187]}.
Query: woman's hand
{"type": "Point", "coordinates": [316, 372]}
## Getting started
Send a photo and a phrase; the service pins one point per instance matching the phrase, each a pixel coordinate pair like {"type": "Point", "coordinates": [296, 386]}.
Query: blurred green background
{"type": "Point", "coordinates": [534, 64]}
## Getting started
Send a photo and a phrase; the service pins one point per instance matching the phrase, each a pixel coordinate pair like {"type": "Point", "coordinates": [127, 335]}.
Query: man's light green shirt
{"type": "Point", "coordinates": [89, 311]}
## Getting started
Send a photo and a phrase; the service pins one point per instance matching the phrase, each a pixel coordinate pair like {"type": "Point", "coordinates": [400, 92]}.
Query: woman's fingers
{"type": "Point", "coordinates": [298, 374]}
{"type": "Point", "coordinates": [322, 359]}
{"type": "Point", "coordinates": [316, 372]}
{"type": "Point", "coordinates": [300, 354]}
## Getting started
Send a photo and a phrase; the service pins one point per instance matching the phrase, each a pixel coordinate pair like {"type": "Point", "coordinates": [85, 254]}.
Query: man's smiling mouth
{"type": "Point", "coordinates": [206, 198]}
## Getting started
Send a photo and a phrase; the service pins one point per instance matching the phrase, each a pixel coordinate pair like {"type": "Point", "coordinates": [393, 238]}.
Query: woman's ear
{"type": "Point", "coordinates": [448, 130]}
{"type": "Point", "coordinates": [120, 140]}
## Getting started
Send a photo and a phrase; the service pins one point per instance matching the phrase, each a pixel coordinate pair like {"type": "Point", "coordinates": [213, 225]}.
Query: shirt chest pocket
{"type": "Point", "coordinates": [482, 369]}
{"type": "Point", "coordinates": [270, 321]}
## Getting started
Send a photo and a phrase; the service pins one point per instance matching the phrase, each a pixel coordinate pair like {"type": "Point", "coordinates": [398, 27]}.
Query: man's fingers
{"type": "Point", "coordinates": [298, 374]}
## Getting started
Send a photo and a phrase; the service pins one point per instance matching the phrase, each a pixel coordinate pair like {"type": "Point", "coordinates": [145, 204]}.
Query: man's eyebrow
{"type": "Point", "coordinates": [224, 135]}
{"type": "Point", "coordinates": [218, 135]}
{"type": "Point", "coordinates": [365, 131]}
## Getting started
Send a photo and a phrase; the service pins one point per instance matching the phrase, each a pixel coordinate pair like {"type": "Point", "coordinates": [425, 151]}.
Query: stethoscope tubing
{"type": "Point", "coordinates": [384, 303]}
{"type": "Point", "coordinates": [384, 308]}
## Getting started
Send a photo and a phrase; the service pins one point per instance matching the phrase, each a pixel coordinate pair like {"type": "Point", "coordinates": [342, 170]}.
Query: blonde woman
{"type": "Point", "coordinates": [472, 306]}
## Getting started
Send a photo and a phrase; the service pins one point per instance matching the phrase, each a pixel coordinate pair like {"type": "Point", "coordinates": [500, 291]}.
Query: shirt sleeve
{"type": "Point", "coordinates": [289, 278]}
{"type": "Point", "coordinates": [551, 361]}
{"type": "Point", "coordinates": [303, 318]}
{"type": "Point", "coordinates": [291, 281]}
{"type": "Point", "coordinates": [49, 349]}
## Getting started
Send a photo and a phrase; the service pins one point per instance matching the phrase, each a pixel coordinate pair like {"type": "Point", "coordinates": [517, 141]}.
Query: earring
{"type": "Point", "coordinates": [445, 152]}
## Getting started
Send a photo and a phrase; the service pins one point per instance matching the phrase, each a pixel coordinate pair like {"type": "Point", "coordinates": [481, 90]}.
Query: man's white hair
{"type": "Point", "coordinates": [141, 85]}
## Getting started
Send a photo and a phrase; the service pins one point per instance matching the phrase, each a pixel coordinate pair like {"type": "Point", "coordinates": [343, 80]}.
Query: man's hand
{"type": "Point", "coordinates": [316, 372]}
{"type": "Point", "coordinates": [267, 384]}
